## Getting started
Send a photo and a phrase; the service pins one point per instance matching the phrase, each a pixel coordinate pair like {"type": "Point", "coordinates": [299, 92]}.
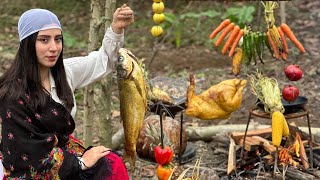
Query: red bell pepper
{"type": "Point", "coordinates": [163, 156]}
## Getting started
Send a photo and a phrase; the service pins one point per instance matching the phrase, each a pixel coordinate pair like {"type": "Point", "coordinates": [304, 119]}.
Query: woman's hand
{"type": "Point", "coordinates": [122, 18]}
{"type": "Point", "coordinates": [91, 157]}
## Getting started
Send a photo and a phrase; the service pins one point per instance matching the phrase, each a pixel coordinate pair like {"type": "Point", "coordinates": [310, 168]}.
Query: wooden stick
{"type": "Point", "coordinates": [232, 157]}
{"type": "Point", "coordinates": [303, 155]}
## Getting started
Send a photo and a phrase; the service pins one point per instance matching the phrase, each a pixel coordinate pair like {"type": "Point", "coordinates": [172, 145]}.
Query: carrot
{"type": "Point", "coordinates": [230, 40]}
{"type": "Point", "coordinates": [224, 34]}
{"type": "Point", "coordinates": [284, 56]}
{"type": "Point", "coordinates": [221, 26]}
{"type": "Point", "coordinates": [235, 42]}
{"type": "Point", "coordinates": [273, 46]}
{"type": "Point", "coordinates": [288, 32]}
{"type": "Point", "coordinates": [283, 40]}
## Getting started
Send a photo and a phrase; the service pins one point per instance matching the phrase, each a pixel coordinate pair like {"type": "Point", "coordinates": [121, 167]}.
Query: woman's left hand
{"type": "Point", "coordinates": [122, 18]}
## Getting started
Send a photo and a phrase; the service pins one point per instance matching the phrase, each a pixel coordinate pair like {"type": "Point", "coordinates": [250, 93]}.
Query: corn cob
{"type": "Point", "coordinates": [276, 38]}
{"type": "Point", "coordinates": [236, 61]}
{"type": "Point", "coordinates": [277, 128]}
{"type": "Point", "coordinates": [285, 132]}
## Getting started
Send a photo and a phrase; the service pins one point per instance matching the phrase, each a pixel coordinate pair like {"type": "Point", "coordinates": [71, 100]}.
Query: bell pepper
{"type": "Point", "coordinates": [164, 171]}
{"type": "Point", "coordinates": [163, 156]}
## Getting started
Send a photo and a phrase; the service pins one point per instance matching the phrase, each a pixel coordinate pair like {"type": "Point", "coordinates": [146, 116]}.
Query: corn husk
{"type": "Point", "coordinates": [267, 91]}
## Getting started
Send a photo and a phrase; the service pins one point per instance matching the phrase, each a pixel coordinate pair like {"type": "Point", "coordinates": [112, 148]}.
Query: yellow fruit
{"type": "Point", "coordinates": [157, 7]}
{"type": "Point", "coordinates": [156, 31]}
{"type": "Point", "coordinates": [157, 1]}
{"type": "Point", "coordinates": [158, 18]}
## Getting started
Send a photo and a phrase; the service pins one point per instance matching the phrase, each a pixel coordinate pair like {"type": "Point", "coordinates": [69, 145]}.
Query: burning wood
{"type": "Point", "coordinates": [258, 149]}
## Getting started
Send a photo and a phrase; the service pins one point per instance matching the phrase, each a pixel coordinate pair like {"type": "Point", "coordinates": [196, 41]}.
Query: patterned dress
{"type": "Point", "coordinates": [39, 145]}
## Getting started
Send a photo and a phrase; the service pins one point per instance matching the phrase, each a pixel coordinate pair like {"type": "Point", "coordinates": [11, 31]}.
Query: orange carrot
{"type": "Point", "coordinates": [284, 56]}
{"type": "Point", "coordinates": [224, 34]}
{"type": "Point", "coordinates": [221, 26]}
{"type": "Point", "coordinates": [235, 42]}
{"type": "Point", "coordinates": [283, 40]}
{"type": "Point", "coordinates": [230, 40]}
{"type": "Point", "coordinates": [288, 32]}
{"type": "Point", "coordinates": [273, 46]}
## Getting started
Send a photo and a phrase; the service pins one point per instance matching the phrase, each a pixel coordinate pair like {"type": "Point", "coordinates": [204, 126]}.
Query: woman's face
{"type": "Point", "coordinates": [48, 47]}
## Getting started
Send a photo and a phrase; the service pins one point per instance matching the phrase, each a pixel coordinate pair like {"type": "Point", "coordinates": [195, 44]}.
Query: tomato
{"type": "Point", "coordinates": [163, 156]}
{"type": "Point", "coordinates": [164, 172]}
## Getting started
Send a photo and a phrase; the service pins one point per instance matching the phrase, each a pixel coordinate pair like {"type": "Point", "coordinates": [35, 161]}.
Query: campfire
{"type": "Point", "coordinates": [258, 157]}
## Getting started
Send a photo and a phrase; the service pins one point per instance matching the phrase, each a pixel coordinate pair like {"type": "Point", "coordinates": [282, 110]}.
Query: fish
{"type": "Point", "coordinates": [133, 100]}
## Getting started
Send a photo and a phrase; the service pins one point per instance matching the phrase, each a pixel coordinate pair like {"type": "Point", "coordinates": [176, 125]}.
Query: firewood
{"type": "Point", "coordinates": [255, 132]}
{"type": "Point", "coordinates": [303, 155]}
{"type": "Point", "coordinates": [232, 157]}
{"type": "Point", "coordinates": [294, 174]}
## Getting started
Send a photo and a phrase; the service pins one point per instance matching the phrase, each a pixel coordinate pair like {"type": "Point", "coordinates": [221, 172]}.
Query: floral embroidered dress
{"type": "Point", "coordinates": [39, 145]}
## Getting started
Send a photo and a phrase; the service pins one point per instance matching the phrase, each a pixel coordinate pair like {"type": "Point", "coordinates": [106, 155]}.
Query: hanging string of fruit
{"type": "Point", "coordinates": [245, 45]}
{"type": "Point", "coordinates": [158, 17]}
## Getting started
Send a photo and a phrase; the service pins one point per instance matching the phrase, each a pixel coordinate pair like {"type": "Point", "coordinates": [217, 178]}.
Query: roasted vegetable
{"type": "Point", "coordinates": [288, 32]}
{"type": "Point", "coordinates": [277, 128]}
{"type": "Point", "coordinates": [236, 61]}
{"type": "Point", "coordinates": [221, 26]}
{"type": "Point", "coordinates": [163, 155]}
{"type": "Point", "coordinates": [224, 34]}
{"type": "Point", "coordinates": [164, 172]}
{"type": "Point", "coordinates": [268, 92]}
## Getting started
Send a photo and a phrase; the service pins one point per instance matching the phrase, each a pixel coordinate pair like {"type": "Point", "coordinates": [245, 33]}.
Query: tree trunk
{"type": "Point", "coordinates": [96, 34]}
{"type": "Point", "coordinates": [105, 128]}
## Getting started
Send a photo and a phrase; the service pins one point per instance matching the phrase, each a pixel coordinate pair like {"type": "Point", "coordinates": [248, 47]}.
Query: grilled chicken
{"type": "Point", "coordinates": [218, 102]}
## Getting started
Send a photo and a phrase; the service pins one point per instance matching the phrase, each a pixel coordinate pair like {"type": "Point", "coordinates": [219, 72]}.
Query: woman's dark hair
{"type": "Point", "coordinates": [23, 77]}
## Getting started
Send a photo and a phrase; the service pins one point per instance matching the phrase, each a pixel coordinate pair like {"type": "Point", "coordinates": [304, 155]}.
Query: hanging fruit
{"type": "Point", "coordinates": [156, 31]}
{"type": "Point", "coordinates": [158, 7]}
{"type": "Point", "coordinates": [158, 18]}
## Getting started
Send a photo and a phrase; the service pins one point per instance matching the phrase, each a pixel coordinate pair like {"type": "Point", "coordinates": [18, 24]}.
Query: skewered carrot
{"type": "Point", "coordinates": [230, 40]}
{"type": "Point", "coordinates": [224, 34]}
{"type": "Point", "coordinates": [235, 42]}
{"type": "Point", "coordinates": [283, 40]}
{"type": "Point", "coordinates": [273, 46]}
{"type": "Point", "coordinates": [283, 55]}
{"type": "Point", "coordinates": [221, 26]}
{"type": "Point", "coordinates": [288, 32]}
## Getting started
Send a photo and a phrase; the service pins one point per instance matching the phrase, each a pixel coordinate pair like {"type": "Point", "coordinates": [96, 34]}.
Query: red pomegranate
{"type": "Point", "coordinates": [293, 72]}
{"type": "Point", "coordinates": [290, 93]}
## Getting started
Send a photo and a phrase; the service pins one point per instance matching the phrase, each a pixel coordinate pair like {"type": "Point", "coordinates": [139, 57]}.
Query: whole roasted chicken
{"type": "Point", "coordinates": [218, 102]}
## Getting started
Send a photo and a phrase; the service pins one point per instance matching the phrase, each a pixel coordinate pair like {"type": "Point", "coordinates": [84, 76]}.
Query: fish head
{"type": "Point", "coordinates": [125, 64]}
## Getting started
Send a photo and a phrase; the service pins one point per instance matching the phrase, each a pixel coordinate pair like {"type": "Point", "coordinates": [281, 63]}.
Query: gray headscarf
{"type": "Point", "coordinates": [35, 20]}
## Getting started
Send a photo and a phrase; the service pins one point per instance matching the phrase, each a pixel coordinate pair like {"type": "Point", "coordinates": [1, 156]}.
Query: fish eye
{"type": "Point", "coordinates": [120, 58]}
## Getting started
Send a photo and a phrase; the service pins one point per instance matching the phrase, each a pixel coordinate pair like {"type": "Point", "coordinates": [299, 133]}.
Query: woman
{"type": "Point", "coordinates": [38, 104]}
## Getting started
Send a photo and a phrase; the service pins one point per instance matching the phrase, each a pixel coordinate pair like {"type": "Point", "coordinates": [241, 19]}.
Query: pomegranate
{"type": "Point", "coordinates": [293, 72]}
{"type": "Point", "coordinates": [290, 93]}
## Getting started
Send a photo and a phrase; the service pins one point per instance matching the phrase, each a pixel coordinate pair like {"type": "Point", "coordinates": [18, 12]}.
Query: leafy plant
{"type": "Point", "coordinates": [176, 24]}
{"type": "Point", "coordinates": [70, 41]}
{"type": "Point", "coordinates": [240, 15]}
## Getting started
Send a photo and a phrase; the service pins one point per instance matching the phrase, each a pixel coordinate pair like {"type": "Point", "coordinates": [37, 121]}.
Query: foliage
{"type": "Point", "coordinates": [178, 24]}
{"type": "Point", "coordinates": [71, 41]}
{"type": "Point", "coordinates": [240, 15]}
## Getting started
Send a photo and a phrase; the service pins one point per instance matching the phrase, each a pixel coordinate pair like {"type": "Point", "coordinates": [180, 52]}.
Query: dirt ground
{"type": "Point", "coordinates": [210, 68]}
